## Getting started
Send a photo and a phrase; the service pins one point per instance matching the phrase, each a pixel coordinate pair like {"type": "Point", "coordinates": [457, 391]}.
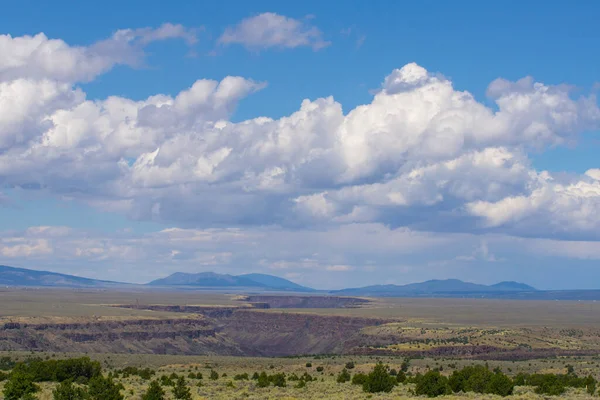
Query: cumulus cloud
{"type": "Point", "coordinates": [317, 258]}
{"type": "Point", "coordinates": [421, 154]}
{"type": "Point", "coordinates": [273, 30]}
{"type": "Point", "coordinates": [39, 57]}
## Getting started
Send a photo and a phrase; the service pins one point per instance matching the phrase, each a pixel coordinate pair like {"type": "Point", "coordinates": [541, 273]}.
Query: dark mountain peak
{"type": "Point", "coordinates": [437, 287]}
{"type": "Point", "coordinates": [215, 280]}
{"type": "Point", "coordinates": [12, 276]}
{"type": "Point", "coordinates": [512, 285]}
{"type": "Point", "coordinates": [275, 282]}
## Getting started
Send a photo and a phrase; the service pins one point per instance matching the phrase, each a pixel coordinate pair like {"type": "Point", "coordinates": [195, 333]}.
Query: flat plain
{"type": "Point", "coordinates": [196, 331]}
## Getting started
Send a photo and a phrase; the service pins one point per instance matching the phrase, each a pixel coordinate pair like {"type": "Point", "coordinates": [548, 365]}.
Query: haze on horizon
{"type": "Point", "coordinates": [333, 147]}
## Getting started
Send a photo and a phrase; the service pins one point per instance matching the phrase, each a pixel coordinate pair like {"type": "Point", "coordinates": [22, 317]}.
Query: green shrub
{"type": "Point", "coordinates": [320, 369]}
{"type": "Point", "coordinates": [278, 380]}
{"type": "Point", "coordinates": [500, 384]}
{"type": "Point", "coordinates": [66, 391]}
{"type": "Point", "coordinates": [549, 384]}
{"type": "Point", "coordinates": [59, 370]}
{"type": "Point", "coordinates": [401, 377]}
{"type": "Point", "coordinates": [6, 363]}
{"type": "Point", "coordinates": [166, 381]}
{"type": "Point", "coordinates": [433, 384]}
{"type": "Point", "coordinates": [154, 392]}
{"type": "Point", "coordinates": [343, 377]}
{"type": "Point", "coordinates": [590, 385]}
{"type": "Point", "coordinates": [520, 379]}
{"type": "Point", "coordinates": [478, 380]}
{"type": "Point", "coordinates": [263, 380]}
{"type": "Point", "coordinates": [306, 377]}
{"type": "Point", "coordinates": [241, 377]}
{"type": "Point", "coordinates": [379, 380]}
{"type": "Point", "coordinates": [308, 365]}
{"type": "Point", "coordinates": [214, 375]}
{"type": "Point", "coordinates": [101, 388]}
{"type": "Point", "coordinates": [181, 391]}
{"type": "Point", "coordinates": [359, 379]}
{"type": "Point", "coordinates": [18, 386]}
{"type": "Point", "coordinates": [405, 364]}
{"type": "Point", "coordinates": [350, 365]}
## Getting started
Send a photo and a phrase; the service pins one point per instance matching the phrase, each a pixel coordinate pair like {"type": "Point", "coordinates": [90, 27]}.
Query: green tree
{"type": "Point", "coordinates": [590, 385]}
{"type": "Point", "coordinates": [214, 375]}
{"type": "Point", "coordinates": [181, 391]}
{"type": "Point", "coordinates": [278, 380]}
{"type": "Point", "coordinates": [67, 391]}
{"type": "Point", "coordinates": [405, 364]}
{"type": "Point", "coordinates": [18, 386]}
{"type": "Point", "coordinates": [549, 384]}
{"type": "Point", "coordinates": [379, 380]}
{"type": "Point", "coordinates": [101, 388]}
{"type": "Point", "coordinates": [478, 380]}
{"type": "Point", "coordinates": [359, 379]}
{"type": "Point", "coordinates": [343, 377]}
{"type": "Point", "coordinates": [263, 380]}
{"type": "Point", "coordinates": [154, 392]}
{"type": "Point", "coordinates": [500, 384]}
{"type": "Point", "coordinates": [433, 384]}
{"type": "Point", "coordinates": [401, 377]}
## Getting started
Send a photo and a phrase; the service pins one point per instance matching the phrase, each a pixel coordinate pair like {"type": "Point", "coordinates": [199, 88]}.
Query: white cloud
{"type": "Point", "coordinates": [38, 57]}
{"type": "Point", "coordinates": [26, 248]}
{"type": "Point", "coordinates": [339, 268]}
{"type": "Point", "coordinates": [273, 30]}
{"type": "Point", "coordinates": [421, 154]}
{"type": "Point", "coordinates": [372, 252]}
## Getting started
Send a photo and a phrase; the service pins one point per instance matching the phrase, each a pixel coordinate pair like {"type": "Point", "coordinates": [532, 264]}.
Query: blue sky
{"type": "Point", "coordinates": [500, 175]}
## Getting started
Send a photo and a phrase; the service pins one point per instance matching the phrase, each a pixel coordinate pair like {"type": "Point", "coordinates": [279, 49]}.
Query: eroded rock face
{"type": "Point", "coordinates": [160, 336]}
{"type": "Point", "coordinates": [252, 332]}
{"type": "Point", "coordinates": [284, 334]}
{"type": "Point", "coordinates": [228, 331]}
{"type": "Point", "coordinates": [266, 301]}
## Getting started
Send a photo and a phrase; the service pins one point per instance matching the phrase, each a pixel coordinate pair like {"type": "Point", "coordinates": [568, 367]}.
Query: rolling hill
{"type": "Point", "coordinates": [214, 280]}
{"type": "Point", "coordinates": [439, 288]}
{"type": "Point", "coordinates": [11, 276]}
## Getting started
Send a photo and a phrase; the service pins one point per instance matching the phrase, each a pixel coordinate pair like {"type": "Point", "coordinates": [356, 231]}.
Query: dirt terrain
{"type": "Point", "coordinates": [265, 325]}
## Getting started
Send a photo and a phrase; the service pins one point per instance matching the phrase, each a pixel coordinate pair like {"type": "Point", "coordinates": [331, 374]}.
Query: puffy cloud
{"type": "Point", "coordinates": [273, 30]}
{"type": "Point", "coordinates": [38, 57]}
{"type": "Point", "coordinates": [373, 253]}
{"type": "Point", "coordinates": [339, 268]}
{"type": "Point", "coordinates": [549, 207]}
{"type": "Point", "coordinates": [25, 248]}
{"type": "Point", "coordinates": [421, 154]}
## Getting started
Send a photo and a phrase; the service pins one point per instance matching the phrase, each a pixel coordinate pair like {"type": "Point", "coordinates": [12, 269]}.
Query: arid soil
{"type": "Point", "coordinates": [261, 325]}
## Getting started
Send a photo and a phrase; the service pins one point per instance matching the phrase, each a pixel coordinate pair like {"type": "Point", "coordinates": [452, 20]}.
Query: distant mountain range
{"type": "Point", "coordinates": [11, 276]}
{"type": "Point", "coordinates": [449, 288]}
{"type": "Point", "coordinates": [436, 288]}
{"type": "Point", "coordinates": [214, 280]}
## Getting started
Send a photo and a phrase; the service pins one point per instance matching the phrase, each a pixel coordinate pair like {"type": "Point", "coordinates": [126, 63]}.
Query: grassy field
{"type": "Point", "coordinates": [481, 312]}
{"type": "Point", "coordinates": [444, 312]}
{"type": "Point", "coordinates": [325, 386]}
{"type": "Point", "coordinates": [414, 325]}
